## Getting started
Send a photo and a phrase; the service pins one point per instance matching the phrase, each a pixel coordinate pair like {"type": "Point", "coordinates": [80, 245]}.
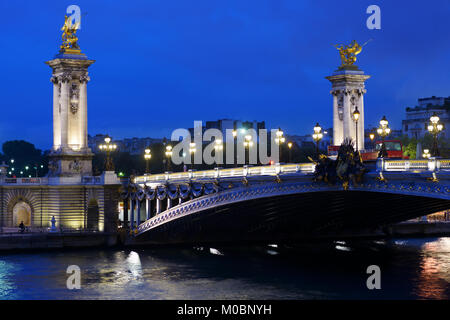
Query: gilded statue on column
{"type": "Point", "coordinates": [69, 38]}
{"type": "Point", "coordinates": [349, 52]}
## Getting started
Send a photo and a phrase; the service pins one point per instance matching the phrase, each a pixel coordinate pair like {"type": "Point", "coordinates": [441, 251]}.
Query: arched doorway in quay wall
{"type": "Point", "coordinates": [21, 212]}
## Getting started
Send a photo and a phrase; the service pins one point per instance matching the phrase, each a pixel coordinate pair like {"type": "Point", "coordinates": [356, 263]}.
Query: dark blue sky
{"type": "Point", "coordinates": [160, 65]}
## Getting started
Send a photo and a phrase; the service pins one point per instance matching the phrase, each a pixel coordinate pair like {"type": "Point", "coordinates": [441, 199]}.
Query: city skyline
{"type": "Point", "coordinates": [204, 61]}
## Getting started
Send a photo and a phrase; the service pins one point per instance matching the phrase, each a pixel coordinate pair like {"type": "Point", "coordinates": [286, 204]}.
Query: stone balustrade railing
{"type": "Point", "coordinates": [302, 168]}
{"type": "Point", "coordinates": [244, 171]}
{"type": "Point", "coordinates": [24, 181]}
{"type": "Point", "coordinates": [91, 180]}
{"type": "Point", "coordinates": [432, 164]}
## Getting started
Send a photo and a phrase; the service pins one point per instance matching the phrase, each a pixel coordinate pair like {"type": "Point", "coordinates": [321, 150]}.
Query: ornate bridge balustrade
{"type": "Point", "coordinates": [185, 200]}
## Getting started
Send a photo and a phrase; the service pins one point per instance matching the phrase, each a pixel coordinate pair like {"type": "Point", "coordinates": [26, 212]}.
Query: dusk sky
{"type": "Point", "coordinates": [160, 65]}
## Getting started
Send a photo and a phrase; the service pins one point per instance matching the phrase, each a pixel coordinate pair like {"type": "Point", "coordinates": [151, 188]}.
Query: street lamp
{"type": "Point", "coordinates": [426, 154]}
{"type": "Point", "coordinates": [317, 136]}
{"type": "Point", "coordinates": [192, 150]}
{"type": "Point", "coordinates": [147, 157]}
{"type": "Point", "coordinates": [372, 137]}
{"type": "Point", "coordinates": [168, 156]}
{"type": "Point", "coordinates": [279, 140]}
{"type": "Point", "coordinates": [108, 147]}
{"type": "Point", "coordinates": [434, 128]}
{"type": "Point", "coordinates": [356, 115]}
{"type": "Point", "coordinates": [290, 147]}
{"type": "Point", "coordinates": [383, 131]}
{"type": "Point", "coordinates": [248, 143]}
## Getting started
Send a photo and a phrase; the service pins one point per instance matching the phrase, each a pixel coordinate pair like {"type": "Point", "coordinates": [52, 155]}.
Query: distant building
{"type": "Point", "coordinates": [307, 140]}
{"type": "Point", "coordinates": [228, 124]}
{"type": "Point", "coordinates": [130, 145]}
{"type": "Point", "coordinates": [417, 118]}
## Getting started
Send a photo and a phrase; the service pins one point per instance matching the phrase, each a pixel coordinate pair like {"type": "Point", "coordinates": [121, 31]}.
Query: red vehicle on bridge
{"type": "Point", "coordinates": [394, 150]}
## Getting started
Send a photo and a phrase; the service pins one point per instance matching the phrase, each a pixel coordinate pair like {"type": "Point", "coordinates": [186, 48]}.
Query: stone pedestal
{"type": "Point", "coordinates": [348, 93]}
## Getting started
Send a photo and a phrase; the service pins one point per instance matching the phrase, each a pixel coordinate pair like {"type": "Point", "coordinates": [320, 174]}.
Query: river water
{"type": "Point", "coordinates": [410, 269]}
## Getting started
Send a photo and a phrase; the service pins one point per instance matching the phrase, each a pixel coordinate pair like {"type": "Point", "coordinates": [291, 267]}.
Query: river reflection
{"type": "Point", "coordinates": [410, 269]}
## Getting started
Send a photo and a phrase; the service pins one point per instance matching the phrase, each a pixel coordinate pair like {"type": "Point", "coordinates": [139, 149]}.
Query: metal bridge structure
{"type": "Point", "coordinates": [279, 202]}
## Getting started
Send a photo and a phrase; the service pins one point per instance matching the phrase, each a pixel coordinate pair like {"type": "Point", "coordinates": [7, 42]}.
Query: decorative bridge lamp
{"type": "Point", "coordinates": [372, 137]}
{"type": "Point", "coordinates": [356, 115]}
{"type": "Point", "coordinates": [317, 136]}
{"type": "Point", "coordinates": [147, 157]}
{"type": "Point", "coordinates": [279, 140]}
{"type": "Point", "coordinates": [248, 143]}
{"type": "Point", "coordinates": [426, 154]}
{"type": "Point", "coordinates": [192, 151]}
{"type": "Point", "coordinates": [434, 128]}
{"type": "Point", "coordinates": [290, 147]}
{"type": "Point", "coordinates": [168, 156]}
{"type": "Point", "coordinates": [108, 147]}
{"type": "Point", "coordinates": [383, 131]}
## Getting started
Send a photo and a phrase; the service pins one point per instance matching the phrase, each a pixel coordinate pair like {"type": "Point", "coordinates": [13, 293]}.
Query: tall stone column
{"type": "Point", "coordinates": [64, 112]}
{"type": "Point", "coordinates": [83, 112]}
{"type": "Point", "coordinates": [337, 121]}
{"type": "Point", "coordinates": [361, 127]}
{"type": "Point", "coordinates": [70, 158]}
{"type": "Point", "coordinates": [347, 111]}
{"type": "Point", "coordinates": [350, 81]}
{"type": "Point", "coordinates": [56, 114]}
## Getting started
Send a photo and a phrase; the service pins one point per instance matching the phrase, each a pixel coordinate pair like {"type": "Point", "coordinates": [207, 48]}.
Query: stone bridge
{"type": "Point", "coordinates": [280, 202]}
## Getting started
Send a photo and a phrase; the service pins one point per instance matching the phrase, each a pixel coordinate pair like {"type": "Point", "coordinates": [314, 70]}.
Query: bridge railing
{"type": "Point", "coordinates": [413, 165]}
{"type": "Point", "coordinates": [271, 170]}
{"type": "Point", "coordinates": [244, 171]}
{"type": "Point", "coordinates": [24, 181]}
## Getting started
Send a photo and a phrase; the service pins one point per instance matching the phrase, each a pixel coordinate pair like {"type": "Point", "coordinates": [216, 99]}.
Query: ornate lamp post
{"type": "Point", "coordinates": [248, 143]}
{"type": "Point", "coordinates": [192, 151]}
{"type": "Point", "coordinates": [356, 115]}
{"type": "Point", "coordinates": [279, 140]}
{"type": "Point", "coordinates": [168, 156]}
{"type": "Point", "coordinates": [147, 157]}
{"type": "Point", "coordinates": [383, 131]}
{"type": "Point", "coordinates": [290, 147]}
{"type": "Point", "coordinates": [426, 154]}
{"type": "Point", "coordinates": [317, 136]}
{"type": "Point", "coordinates": [434, 128]}
{"type": "Point", "coordinates": [108, 147]}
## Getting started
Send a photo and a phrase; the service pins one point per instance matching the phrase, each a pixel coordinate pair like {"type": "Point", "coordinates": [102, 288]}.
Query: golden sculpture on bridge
{"type": "Point", "coordinates": [349, 52]}
{"type": "Point", "coordinates": [69, 37]}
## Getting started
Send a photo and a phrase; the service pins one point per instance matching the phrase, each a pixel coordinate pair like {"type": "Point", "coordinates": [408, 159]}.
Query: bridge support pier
{"type": "Point", "coordinates": [132, 214]}
{"type": "Point", "coordinates": [169, 203]}
{"type": "Point", "coordinates": [158, 206]}
{"type": "Point", "coordinates": [138, 213]}
{"type": "Point", "coordinates": [148, 208]}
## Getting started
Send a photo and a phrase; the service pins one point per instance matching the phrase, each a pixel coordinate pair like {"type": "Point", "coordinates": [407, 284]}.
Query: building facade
{"type": "Point", "coordinates": [418, 117]}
